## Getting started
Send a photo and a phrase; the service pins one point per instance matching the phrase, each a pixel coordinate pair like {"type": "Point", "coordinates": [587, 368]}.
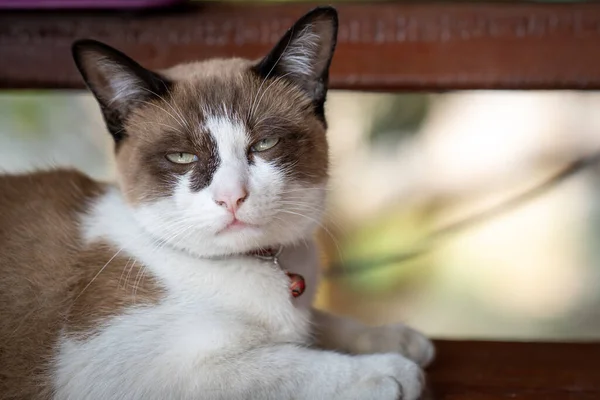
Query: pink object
{"type": "Point", "coordinates": [232, 199]}
{"type": "Point", "coordinates": [86, 4]}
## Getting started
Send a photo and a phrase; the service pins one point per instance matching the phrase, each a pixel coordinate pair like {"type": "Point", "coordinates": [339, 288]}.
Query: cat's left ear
{"type": "Point", "coordinates": [303, 55]}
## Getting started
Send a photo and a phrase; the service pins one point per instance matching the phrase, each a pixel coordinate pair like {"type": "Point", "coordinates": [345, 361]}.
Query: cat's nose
{"type": "Point", "coordinates": [232, 200]}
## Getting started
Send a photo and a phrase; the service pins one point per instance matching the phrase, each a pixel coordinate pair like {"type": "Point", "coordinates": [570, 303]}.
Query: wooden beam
{"type": "Point", "coordinates": [516, 371]}
{"type": "Point", "coordinates": [381, 46]}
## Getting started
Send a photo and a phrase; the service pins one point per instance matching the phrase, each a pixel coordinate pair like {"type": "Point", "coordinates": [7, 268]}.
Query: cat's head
{"type": "Point", "coordinates": [225, 155]}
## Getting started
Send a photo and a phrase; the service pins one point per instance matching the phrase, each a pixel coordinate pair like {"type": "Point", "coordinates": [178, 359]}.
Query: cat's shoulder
{"type": "Point", "coordinates": [40, 222]}
{"type": "Point", "coordinates": [111, 282]}
{"type": "Point", "coordinates": [67, 186]}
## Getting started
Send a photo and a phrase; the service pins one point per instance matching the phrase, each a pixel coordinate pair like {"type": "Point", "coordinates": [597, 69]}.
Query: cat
{"type": "Point", "coordinates": [173, 283]}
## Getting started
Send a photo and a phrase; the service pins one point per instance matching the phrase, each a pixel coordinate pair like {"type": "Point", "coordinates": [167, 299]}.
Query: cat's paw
{"type": "Point", "coordinates": [407, 375]}
{"type": "Point", "coordinates": [394, 338]}
{"type": "Point", "coordinates": [386, 377]}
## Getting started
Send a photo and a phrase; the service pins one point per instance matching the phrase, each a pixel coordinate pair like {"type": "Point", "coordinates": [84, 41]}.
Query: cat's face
{"type": "Point", "coordinates": [221, 156]}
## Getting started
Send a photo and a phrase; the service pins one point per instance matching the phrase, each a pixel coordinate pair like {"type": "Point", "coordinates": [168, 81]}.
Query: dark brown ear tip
{"type": "Point", "coordinates": [327, 12]}
{"type": "Point", "coordinates": [94, 46]}
{"type": "Point", "coordinates": [324, 10]}
{"type": "Point", "coordinates": [81, 45]}
{"type": "Point", "coordinates": [77, 46]}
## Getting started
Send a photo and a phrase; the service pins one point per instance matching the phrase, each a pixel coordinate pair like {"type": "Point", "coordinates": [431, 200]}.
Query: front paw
{"type": "Point", "coordinates": [394, 338]}
{"type": "Point", "coordinates": [386, 377]}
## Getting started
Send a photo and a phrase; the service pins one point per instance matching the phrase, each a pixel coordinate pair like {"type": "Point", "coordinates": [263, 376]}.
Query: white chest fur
{"type": "Point", "coordinates": [213, 308]}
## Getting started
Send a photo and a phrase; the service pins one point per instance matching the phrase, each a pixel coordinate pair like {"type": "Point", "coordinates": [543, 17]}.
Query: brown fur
{"type": "Point", "coordinates": [122, 284]}
{"type": "Point", "coordinates": [44, 266]}
{"type": "Point", "coordinates": [53, 282]}
{"type": "Point", "coordinates": [155, 128]}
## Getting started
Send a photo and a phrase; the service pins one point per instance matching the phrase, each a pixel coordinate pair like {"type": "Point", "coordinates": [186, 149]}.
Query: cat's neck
{"type": "Point", "coordinates": [112, 220]}
{"type": "Point", "coordinates": [239, 283]}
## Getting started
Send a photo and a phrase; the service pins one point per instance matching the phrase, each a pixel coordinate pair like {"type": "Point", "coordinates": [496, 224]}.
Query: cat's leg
{"type": "Point", "coordinates": [122, 368]}
{"type": "Point", "coordinates": [283, 372]}
{"type": "Point", "coordinates": [345, 334]}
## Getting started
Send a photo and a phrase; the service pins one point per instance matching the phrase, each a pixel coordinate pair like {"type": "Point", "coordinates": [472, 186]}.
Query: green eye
{"type": "Point", "coordinates": [182, 158]}
{"type": "Point", "coordinates": [264, 144]}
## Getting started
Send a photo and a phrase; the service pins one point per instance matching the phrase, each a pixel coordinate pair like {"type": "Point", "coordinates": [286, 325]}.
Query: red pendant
{"type": "Point", "coordinates": [297, 284]}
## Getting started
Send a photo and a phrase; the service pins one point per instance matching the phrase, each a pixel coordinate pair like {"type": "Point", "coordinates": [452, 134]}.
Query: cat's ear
{"type": "Point", "coordinates": [118, 83]}
{"type": "Point", "coordinates": [304, 53]}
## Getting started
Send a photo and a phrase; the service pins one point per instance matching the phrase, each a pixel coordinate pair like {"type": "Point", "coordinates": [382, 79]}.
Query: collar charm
{"type": "Point", "coordinates": [297, 283]}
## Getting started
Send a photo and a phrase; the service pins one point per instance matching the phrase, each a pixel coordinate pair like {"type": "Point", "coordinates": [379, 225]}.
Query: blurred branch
{"type": "Point", "coordinates": [427, 244]}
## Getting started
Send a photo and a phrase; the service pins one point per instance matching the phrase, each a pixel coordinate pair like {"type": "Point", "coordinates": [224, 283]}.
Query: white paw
{"type": "Point", "coordinates": [386, 377]}
{"type": "Point", "coordinates": [394, 338]}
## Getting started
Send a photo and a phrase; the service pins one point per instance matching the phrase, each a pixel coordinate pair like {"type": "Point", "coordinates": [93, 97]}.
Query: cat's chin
{"type": "Point", "coordinates": [237, 240]}
{"type": "Point", "coordinates": [230, 239]}
{"type": "Point", "coordinates": [234, 239]}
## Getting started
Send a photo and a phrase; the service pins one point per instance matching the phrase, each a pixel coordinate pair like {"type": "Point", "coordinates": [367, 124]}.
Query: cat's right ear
{"type": "Point", "coordinates": [119, 83]}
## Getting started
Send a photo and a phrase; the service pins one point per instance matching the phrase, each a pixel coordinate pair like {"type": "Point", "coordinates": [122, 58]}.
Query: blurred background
{"type": "Point", "coordinates": [403, 167]}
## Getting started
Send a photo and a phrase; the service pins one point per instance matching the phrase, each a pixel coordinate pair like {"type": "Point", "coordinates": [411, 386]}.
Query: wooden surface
{"type": "Point", "coordinates": [519, 371]}
{"type": "Point", "coordinates": [381, 46]}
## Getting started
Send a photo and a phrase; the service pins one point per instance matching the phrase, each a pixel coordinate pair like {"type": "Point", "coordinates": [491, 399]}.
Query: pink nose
{"type": "Point", "coordinates": [232, 200]}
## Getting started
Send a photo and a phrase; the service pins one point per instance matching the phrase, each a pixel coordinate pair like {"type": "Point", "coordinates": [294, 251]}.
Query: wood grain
{"type": "Point", "coordinates": [519, 371]}
{"type": "Point", "coordinates": [390, 47]}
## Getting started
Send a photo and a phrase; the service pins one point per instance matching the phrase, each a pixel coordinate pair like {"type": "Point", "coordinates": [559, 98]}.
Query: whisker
{"type": "Point", "coordinates": [123, 272]}
{"type": "Point", "coordinates": [335, 241]}
{"type": "Point", "coordinates": [279, 78]}
{"type": "Point", "coordinates": [99, 272]}
{"type": "Point", "coordinates": [129, 273]}
{"type": "Point", "coordinates": [162, 109]}
{"type": "Point", "coordinates": [251, 111]}
{"type": "Point", "coordinates": [183, 121]}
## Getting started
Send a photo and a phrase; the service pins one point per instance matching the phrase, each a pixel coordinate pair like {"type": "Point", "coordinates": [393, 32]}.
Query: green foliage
{"type": "Point", "coordinates": [25, 113]}
{"type": "Point", "coordinates": [398, 115]}
{"type": "Point", "coordinates": [396, 231]}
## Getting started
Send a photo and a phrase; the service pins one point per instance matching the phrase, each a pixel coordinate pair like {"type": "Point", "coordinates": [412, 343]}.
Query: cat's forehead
{"type": "Point", "coordinates": [200, 70]}
{"type": "Point", "coordinates": [211, 100]}
{"type": "Point", "coordinates": [229, 88]}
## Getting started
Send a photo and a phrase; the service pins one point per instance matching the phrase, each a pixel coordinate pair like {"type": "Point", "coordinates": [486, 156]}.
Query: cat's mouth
{"type": "Point", "coordinates": [236, 225]}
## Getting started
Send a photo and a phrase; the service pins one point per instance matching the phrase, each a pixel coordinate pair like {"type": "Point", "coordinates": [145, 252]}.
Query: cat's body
{"type": "Point", "coordinates": [151, 289]}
